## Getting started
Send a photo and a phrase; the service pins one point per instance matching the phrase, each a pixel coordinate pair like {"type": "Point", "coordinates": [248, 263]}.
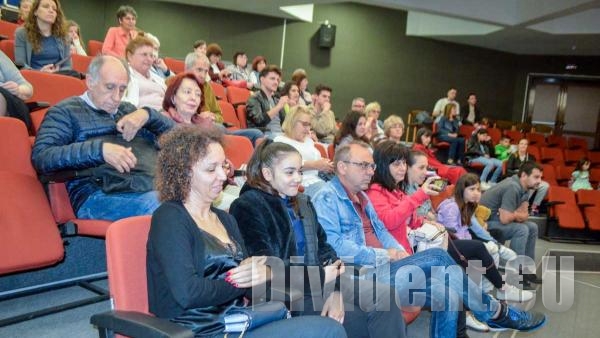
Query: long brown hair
{"type": "Point", "coordinates": [59, 28]}
{"type": "Point", "coordinates": [467, 209]}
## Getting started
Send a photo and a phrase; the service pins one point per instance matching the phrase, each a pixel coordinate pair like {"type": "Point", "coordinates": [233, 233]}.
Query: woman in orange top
{"type": "Point", "coordinates": [117, 38]}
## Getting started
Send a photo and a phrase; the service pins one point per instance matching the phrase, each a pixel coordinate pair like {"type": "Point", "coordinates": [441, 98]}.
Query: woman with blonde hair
{"type": "Point", "coordinates": [393, 128]}
{"type": "Point", "coordinates": [296, 128]}
{"type": "Point", "coordinates": [373, 110]}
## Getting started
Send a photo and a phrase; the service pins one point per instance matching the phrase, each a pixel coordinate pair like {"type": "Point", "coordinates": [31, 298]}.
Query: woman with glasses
{"type": "Point", "coordinates": [146, 88]}
{"type": "Point", "coordinates": [296, 128]}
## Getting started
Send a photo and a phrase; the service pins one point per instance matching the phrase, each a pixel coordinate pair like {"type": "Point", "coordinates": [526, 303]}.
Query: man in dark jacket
{"type": "Point", "coordinates": [264, 109]}
{"type": "Point", "coordinates": [109, 142]}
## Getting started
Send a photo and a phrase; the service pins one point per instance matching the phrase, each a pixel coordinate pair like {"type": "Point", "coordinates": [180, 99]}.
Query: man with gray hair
{"type": "Point", "coordinates": [109, 144]}
{"type": "Point", "coordinates": [211, 112]}
{"type": "Point", "coordinates": [358, 104]}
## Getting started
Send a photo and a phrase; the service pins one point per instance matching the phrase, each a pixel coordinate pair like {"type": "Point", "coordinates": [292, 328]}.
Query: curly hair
{"type": "Point", "coordinates": [181, 148]}
{"type": "Point", "coordinates": [34, 36]}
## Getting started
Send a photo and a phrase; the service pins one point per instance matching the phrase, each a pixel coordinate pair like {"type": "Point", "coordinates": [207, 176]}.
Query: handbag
{"type": "Point", "coordinates": [429, 236]}
{"type": "Point", "coordinates": [245, 318]}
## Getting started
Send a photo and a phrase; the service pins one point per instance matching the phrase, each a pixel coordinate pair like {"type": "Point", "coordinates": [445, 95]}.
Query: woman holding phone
{"type": "Point", "coordinates": [43, 42]}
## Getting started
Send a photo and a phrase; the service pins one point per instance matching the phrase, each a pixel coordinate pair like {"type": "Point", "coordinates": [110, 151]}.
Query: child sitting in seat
{"type": "Point", "coordinates": [580, 178]}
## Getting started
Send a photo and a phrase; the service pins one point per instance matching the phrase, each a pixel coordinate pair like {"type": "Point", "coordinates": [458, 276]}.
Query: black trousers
{"type": "Point", "coordinates": [475, 250]}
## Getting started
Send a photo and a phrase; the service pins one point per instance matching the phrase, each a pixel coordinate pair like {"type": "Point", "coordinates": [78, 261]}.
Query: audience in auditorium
{"type": "Point", "coordinates": [197, 264]}
{"type": "Point", "coordinates": [264, 109]}
{"type": "Point", "coordinates": [159, 67]}
{"type": "Point", "coordinates": [356, 233]}
{"type": "Point", "coordinates": [290, 89]}
{"type": "Point", "coordinates": [448, 132]}
{"type": "Point", "coordinates": [296, 127]}
{"type": "Point", "coordinates": [353, 128]}
{"type": "Point", "coordinates": [478, 152]}
{"type": "Point", "coordinates": [422, 144]}
{"type": "Point", "coordinates": [239, 70]}
{"type": "Point", "coordinates": [323, 121]}
{"type": "Point", "coordinates": [24, 8]}
{"type": "Point", "coordinates": [276, 220]}
{"type": "Point", "coordinates": [75, 35]}
{"type": "Point", "coordinates": [200, 47]}
{"type": "Point", "coordinates": [14, 89]}
{"type": "Point", "coordinates": [209, 111]}
{"type": "Point", "coordinates": [258, 64]}
{"type": "Point", "coordinates": [439, 109]}
{"type": "Point", "coordinates": [513, 164]}
{"type": "Point", "coordinates": [217, 70]}
{"type": "Point", "coordinates": [393, 128]}
{"type": "Point", "coordinates": [470, 113]}
{"type": "Point", "coordinates": [117, 38]}
{"type": "Point", "coordinates": [109, 142]}
{"type": "Point", "coordinates": [508, 201]}
{"type": "Point", "coordinates": [301, 79]}
{"type": "Point", "coordinates": [146, 88]}
{"type": "Point", "coordinates": [42, 43]}
{"type": "Point", "coordinates": [358, 104]}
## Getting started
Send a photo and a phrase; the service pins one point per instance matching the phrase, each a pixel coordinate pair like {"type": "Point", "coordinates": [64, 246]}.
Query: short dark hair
{"type": "Point", "coordinates": [256, 61]}
{"type": "Point", "coordinates": [235, 56]}
{"type": "Point", "coordinates": [270, 69]}
{"type": "Point", "coordinates": [482, 131]}
{"type": "Point", "coordinates": [386, 153]}
{"type": "Point", "coordinates": [504, 137]}
{"type": "Point", "coordinates": [181, 148]}
{"type": "Point", "coordinates": [321, 87]}
{"type": "Point", "coordinates": [199, 43]}
{"type": "Point", "coordinates": [527, 168]}
{"type": "Point", "coordinates": [213, 49]}
{"type": "Point", "coordinates": [265, 156]}
{"type": "Point", "coordinates": [173, 86]}
{"type": "Point", "coordinates": [287, 87]}
{"type": "Point", "coordinates": [124, 10]}
{"type": "Point", "coordinates": [423, 132]}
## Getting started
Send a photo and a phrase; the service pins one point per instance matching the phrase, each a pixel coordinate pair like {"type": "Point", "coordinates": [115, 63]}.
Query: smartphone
{"type": "Point", "coordinates": [59, 63]}
{"type": "Point", "coordinates": [440, 184]}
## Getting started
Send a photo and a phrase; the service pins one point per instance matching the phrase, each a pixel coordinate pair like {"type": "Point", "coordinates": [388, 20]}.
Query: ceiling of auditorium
{"type": "Point", "coordinates": [543, 27]}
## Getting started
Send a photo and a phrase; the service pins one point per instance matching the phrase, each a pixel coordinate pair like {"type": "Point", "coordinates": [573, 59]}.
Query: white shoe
{"type": "Point", "coordinates": [486, 285]}
{"type": "Point", "coordinates": [474, 324]}
{"type": "Point", "coordinates": [513, 294]}
{"type": "Point", "coordinates": [484, 186]}
{"type": "Point", "coordinates": [506, 254]}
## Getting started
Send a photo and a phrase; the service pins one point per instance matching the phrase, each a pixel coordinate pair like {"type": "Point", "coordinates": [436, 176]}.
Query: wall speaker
{"type": "Point", "coordinates": [327, 36]}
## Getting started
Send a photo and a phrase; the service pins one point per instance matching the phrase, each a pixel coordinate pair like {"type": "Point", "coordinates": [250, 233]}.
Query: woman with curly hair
{"type": "Point", "coordinates": [43, 42]}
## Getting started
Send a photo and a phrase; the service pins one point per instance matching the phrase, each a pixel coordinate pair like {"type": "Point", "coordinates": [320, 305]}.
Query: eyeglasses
{"type": "Point", "coordinates": [363, 165]}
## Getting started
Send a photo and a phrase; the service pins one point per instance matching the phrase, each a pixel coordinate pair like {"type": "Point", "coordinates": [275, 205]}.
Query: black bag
{"type": "Point", "coordinates": [140, 178]}
{"type": "Point", "coordinates": [246, 318]}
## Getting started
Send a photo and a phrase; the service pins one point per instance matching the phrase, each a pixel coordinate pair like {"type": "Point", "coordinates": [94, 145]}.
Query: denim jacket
{"type": "Point", "coordinates": [344, 227]}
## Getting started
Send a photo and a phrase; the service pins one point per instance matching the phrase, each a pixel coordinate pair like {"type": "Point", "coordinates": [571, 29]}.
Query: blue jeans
{"type": "Point", "coordinates": [251, 134]}
{"type": "Point", "coordinates": [457, 146]}
{"type": "Point", "coordinates": [115, 206]}
{"type": "Point", "coordinates": [489, 163]}
{"type": "Point", "coordinates": [446, 294]}
{"type": "Point", "coordinates": [541, 192]}
{"type": "Point", "coordinates": [297, 327]}
{"type": "Point", "coordinates": [522, 236]}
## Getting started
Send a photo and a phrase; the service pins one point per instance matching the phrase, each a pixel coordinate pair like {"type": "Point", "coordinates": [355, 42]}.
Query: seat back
{"type": "Point", "coordinates": [175, 65]}
{"type": "Point", "coordinates": [552, 156]}
{"type": "Point", "coordinates": [8, 29]}
{"type": "Point", "coordinates": [219, 90]}
{"type": "Point", "coordinates": [81, 62]}
{"type": "Point", "coordinates": [331, 151]}
{"type": "Point", "coordinates": [537, 139]}
{"type": "Point", "coordinates": [238, 149]}
{"type": "Point", "coordinates": [126, 263]}
{"type": "Point", "coordinates": [563, 174]}
{"type": "Point", "coordinates": [556, 141]}
{"type": "Point", "coordinates": [237, 95]}
{"type": "Point", "coordinates": [54, 87]}
{"type": "Point", "coordinates": [577, 143]}
{"type": "Point", "coordinates": [446, 193]}
{"type": "Point", "coordinates": [322, 150]}
{"type": "Point", "coordinates": [29, 237]}
{"type": "Point", "coordinates": [572, 156]}
{"type": "Point", "coordinates": [562, 194]}
{"type": "Point", "coordinates": [514, 135]}
{"type": "Point", "coordinates": [595, 175]}
{"type": "Point", "coordinates": [229, 115]}
{"type": "Point", "coordinates": [466, 130]}
{"type": "Point", "coordinates": [240, 111]}
{"type": "Point", "coordinates": [588, 197]}
{"type": "Point", "coordinates": [94, 47]}
{"type": "Point", "coordinates": [495, 134]}
{"type": "Point", "coordinates": [8, 47]}
{"type": "Point", "coordinates": [549, 174]}
{"type": "Point", "coordinates": [535, 151]}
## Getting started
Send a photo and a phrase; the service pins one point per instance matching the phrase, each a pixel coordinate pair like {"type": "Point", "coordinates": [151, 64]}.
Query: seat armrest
{"type": "Point", "coordinates": [36, 105]}
{"type": "Point", "coordinates": [552, 203]}
{"type": "Point", "coordinates": [137, 324]}
{"type": "Point", "coordinates": [585, 205]}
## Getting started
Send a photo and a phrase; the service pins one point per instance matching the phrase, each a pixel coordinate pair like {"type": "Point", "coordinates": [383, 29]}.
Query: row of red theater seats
{"type": "Point", "coordinates": [575, 210]}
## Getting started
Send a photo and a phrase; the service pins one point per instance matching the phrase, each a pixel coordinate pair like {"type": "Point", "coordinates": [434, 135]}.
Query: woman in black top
{"type": "Point", "coordinates": [276, 220]}
{"type": "Point", "coordinates": [196, 264]}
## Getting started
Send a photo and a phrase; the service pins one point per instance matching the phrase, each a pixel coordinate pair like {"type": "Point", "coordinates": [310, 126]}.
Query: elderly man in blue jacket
{"type": "Point", "coordinates": [110, 144]}
{"type": "Point", "coordinates": [358, 236]}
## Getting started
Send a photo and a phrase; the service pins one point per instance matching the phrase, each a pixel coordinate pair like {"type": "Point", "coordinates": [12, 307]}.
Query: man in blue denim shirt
{"type": "Point", "coordinates": [358, 236]}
